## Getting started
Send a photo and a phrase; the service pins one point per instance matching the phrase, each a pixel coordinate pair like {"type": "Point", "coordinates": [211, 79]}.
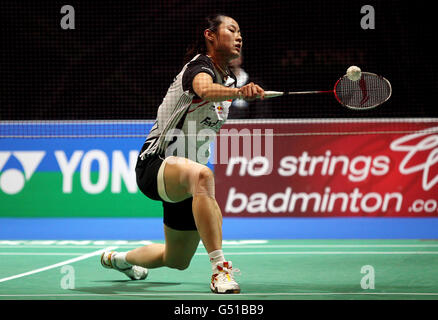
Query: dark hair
{"type": "Point", "coordinates": [212, 23]}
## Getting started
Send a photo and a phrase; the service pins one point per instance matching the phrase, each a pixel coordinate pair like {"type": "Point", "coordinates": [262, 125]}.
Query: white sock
{"type": "Point", "coordinates": [216, 257]}
{"type": "Point", "coordinates": [120, 260]}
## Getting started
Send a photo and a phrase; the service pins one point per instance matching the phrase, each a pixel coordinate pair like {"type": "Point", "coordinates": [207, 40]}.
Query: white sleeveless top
{"type": "Point", "coordinates": [182, 115]}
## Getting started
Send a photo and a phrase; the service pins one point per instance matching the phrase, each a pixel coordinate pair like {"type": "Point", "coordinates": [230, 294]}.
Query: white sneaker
{"type": "Point", "coordinates": [222, 280]}
{"type": "Point", "coordinates": [133, 272]}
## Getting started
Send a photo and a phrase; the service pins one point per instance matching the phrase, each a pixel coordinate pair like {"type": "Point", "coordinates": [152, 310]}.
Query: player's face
{"type": "Point", "coordinates": [229, 39]}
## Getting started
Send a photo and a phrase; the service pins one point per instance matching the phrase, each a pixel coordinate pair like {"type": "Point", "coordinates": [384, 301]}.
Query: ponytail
{"type": "Point", "coordinates": [198, 46]}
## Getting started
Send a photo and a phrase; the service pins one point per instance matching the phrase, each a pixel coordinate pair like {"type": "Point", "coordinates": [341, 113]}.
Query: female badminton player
{"type": "Point", "coordinates": [201, 95]}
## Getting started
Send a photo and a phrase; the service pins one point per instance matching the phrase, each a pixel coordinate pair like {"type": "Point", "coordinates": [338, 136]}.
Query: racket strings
{"type": "Point", "coordinates": [370, 91]}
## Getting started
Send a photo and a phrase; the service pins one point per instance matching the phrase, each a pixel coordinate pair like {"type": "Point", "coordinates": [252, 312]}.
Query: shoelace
{"type": "Point", "coordinates": [232, 271]}
{"type": "Point", "coordinates": [229, 271]}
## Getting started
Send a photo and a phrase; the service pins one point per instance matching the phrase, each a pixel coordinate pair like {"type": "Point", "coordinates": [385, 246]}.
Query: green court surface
{"type": "Point", "coordinates": [269, 270]}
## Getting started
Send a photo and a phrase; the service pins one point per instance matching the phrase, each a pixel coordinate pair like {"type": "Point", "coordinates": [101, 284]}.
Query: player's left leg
{"type": "Point", "coordinates": [177, 252]}
{"type": "Point", "coordinates": [117, 261]}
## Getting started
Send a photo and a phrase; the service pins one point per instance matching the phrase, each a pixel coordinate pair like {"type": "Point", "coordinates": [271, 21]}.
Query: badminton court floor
{"type": "Point", "coordinates": [269, 269]}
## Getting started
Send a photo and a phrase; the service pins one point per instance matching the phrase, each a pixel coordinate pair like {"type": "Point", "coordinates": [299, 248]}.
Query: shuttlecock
{"type": "Point", "coordinates": [354, 73]}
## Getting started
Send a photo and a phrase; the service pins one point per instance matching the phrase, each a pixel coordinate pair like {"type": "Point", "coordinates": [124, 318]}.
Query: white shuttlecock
{"type": "Point", "coordinates": [354, 73]}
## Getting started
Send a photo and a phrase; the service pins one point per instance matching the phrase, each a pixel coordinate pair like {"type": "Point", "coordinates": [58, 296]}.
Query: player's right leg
{"type": "Point", "coordinates": [184, 178]}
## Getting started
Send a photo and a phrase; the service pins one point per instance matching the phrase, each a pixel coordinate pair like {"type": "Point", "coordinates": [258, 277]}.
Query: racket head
{"type": "Point", "coordinates": [370, 91]}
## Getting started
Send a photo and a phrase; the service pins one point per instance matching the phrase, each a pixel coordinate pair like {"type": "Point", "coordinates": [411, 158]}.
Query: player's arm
{"type": "Point", "coordinates": [206, 89]}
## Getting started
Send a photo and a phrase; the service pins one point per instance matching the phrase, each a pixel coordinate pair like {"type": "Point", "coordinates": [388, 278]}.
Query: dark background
{"type": "Point", "coordinates": [123, 55]}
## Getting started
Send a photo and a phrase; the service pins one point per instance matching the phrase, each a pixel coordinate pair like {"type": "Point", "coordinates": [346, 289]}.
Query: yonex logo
{"type": "Point", "coordinates": [12, 180]}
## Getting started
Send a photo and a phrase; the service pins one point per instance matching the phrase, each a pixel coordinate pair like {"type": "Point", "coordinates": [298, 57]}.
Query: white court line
{"type": "Point", "coordinates": [40, 254]}
{"type": "Point", "coordinates": [232, 253]}
{"type": "Point", "coordinates": [210, 294]}
{"type": "Point", "coordinates": [85, 256]}
{"type": "Point", "coordinates": [339, 246]}
{"type": "Point", "coordinates": [53, 246]}
{"type": "Point", "coordinates": [323, 252]}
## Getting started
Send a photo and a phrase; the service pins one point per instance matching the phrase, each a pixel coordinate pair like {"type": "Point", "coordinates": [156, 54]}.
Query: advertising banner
{"type": "Point", "coordinates": [281, 168]}
{"type": "Point", "coordinates": [72, 169]}
{"type": "Point", "coordinates": [328, 168]}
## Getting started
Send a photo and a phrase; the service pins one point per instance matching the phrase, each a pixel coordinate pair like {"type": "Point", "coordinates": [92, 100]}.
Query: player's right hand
{"type": "Point", "coordinates": [251, 91]}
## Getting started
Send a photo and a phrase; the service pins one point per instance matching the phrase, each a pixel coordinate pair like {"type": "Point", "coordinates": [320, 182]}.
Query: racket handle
{"type": "Point", "coordinates": [273, 94]}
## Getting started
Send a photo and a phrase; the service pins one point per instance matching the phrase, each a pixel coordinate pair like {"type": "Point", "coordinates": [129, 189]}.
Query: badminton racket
{"type": "Point", "coordinates": [370, 91]}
